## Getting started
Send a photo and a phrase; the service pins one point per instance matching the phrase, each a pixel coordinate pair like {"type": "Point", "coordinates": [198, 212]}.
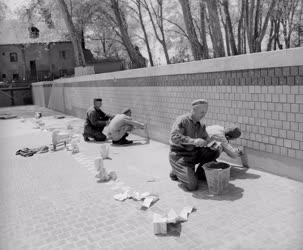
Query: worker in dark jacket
{"type": "Point", "coordinates": [95, 122]}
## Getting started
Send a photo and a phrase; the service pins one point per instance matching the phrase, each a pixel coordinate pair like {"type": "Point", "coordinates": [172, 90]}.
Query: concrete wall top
{"type": "Point", "coordinates": [281, 58]}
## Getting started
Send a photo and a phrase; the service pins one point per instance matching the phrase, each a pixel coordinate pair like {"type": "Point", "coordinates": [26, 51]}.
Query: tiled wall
{"type": "Point", "coordinates": [266, 103]}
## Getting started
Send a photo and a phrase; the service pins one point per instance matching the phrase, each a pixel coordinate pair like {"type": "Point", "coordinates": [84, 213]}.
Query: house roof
{"type": "Point", "coordinates": [16, 32]}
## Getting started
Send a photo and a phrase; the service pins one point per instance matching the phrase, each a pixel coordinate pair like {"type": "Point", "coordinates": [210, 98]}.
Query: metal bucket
{"type": "Point", "coordinates": [217, 176]}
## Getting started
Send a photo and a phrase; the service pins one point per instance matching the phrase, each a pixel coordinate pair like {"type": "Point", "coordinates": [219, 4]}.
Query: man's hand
{"type": "Point", "coordinates": [200, 142]}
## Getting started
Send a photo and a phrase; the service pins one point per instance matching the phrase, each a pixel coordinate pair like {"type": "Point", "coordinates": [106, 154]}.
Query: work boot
{"type": "Point", "coordinates": [173, 176]}
{"type": "Point", "coordinates": [125, 141]}
{"type": "Point", "coordinates": [85, 138]}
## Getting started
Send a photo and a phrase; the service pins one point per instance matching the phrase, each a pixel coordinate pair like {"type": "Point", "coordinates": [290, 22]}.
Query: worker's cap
{"type": "Point", "coordinates": [97, 99]}
{"type": "Point", "coordinates": [126, 110]}
{"type": "Point", "coordinates": [199, 102]}
{"type": "Point", "coordinates": [232, 133]}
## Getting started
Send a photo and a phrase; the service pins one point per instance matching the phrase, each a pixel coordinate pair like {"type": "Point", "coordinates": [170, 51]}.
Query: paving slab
{"type": "Point", "coordinates": [53, 200]}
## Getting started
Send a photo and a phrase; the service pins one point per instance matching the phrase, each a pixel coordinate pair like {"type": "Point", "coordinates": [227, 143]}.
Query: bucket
{"type": "Point", "coordinates": [217, 176]}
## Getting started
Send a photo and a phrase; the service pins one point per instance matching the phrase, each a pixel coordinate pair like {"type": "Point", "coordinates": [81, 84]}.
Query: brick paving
{"type": "Point", "coordinates": [53, 201]}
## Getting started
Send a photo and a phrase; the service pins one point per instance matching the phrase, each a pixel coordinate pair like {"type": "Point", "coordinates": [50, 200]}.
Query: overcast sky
{"type": "Point", "coordinates": [13, 5]}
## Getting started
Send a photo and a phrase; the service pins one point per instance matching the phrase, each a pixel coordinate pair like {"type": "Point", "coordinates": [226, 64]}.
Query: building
{"type": "Point", "coordinates": [33, 54]}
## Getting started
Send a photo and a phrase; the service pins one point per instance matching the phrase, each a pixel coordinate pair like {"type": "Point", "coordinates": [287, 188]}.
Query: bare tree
{"type": "Point", "coordinates": [203, 29]}
{"type": "Point", "coordinates": [78, 51]}
{"type": "Point", "coordinates": [157, 19]}
{"type": "Point", "coordinates": [241, 29]}
{"type": "Point", "coordinates": [196, 46]}
{"type": "Point", "coordinates": [138, 61]}
{"type": "Point", "coordinates": [255, 25]}
{"type": "Point", "coordinates": [215, 28]}
{"type": "Point", "coordinates": [229, 28]}
{"type": "Point", "coordinates": [138, 12]}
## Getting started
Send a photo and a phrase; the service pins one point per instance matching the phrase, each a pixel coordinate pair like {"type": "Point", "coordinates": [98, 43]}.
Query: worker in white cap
{"type": "Point", "coordinates": [188, 146]}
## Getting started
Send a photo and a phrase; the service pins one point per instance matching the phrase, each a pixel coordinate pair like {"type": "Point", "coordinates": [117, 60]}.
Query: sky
{"type": "Point", "coordinates": [13, 5]}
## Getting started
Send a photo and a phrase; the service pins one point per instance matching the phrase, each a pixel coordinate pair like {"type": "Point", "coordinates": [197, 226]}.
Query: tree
{"type": "Point", "coordinates": [196, 46]}
{"type": "Point", "coordinates": [157, 20]}
{"type": "Point", "coordinates": [135, 56]}
{"type": "Point", "coordinates": [255, 25]}
{"type": "Point", "coordinates": [229, 28]}
{"type": "Point", "coordinates": [78, 51]}
{"type": "Point", "coordinates": [204, 45]}
{"type": "Point", "coordinates": [215, 28]}
{"type": "Point", "coordinates": [138, 12]}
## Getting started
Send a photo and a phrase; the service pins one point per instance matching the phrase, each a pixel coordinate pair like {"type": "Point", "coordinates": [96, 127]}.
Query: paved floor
{"type": "Point", "coordinates": [53, 201]}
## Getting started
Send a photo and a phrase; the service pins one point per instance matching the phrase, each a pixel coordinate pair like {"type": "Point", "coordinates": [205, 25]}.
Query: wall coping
{"type": "Point", "coordinates": [271, 59]}
{"type": "Point", "coordinates": [43, 83]}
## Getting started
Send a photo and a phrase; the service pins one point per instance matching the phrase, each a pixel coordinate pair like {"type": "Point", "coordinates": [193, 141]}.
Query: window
{"type": "Point", "coordinates": [13, 57]}
{"type": "Point", "coordinates": [62, 54]}
{"type": "Point", "coordinates": [15, 77]}
{"type": "Point", "coordinates": [3, 53]}
{"type": "Point", "coordinates": [33, 32]}
{"type": "Point", "coordinates": [3, 76]}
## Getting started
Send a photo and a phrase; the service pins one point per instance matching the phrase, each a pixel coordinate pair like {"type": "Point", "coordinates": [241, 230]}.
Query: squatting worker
{"type": "Point", "coordinates": [95, 122]}
{"type": "Point", "coordinates": [121, 125]}
{"type": "Point", "coordinates": [225, 135]}
{"type": "Point", "coordinates": [188, 141]}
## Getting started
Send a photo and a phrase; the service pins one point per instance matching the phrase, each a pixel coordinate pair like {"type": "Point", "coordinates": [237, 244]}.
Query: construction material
{"type": "Point", "coordinates": [149, 200]}
{"type": "Point", "coordinates": [59, 137]}
{"type": "Point", "coordinates": [217, 176]}
{"type": "Point", "coordinates": [5, 116]}
{"type": "Point", "coordinates": [184, 213]}
{"type": "Point", "coordinates": [102, 174]}
{"type": "Point", "coordinates": [172, 216]}
{"type": "Point", "coordinates": [38, 115]}
{"type": "Point", "coordinates": [104, 151]}
{"type": "Point", "coordinates": [122, 196]}
{"type": "Point", "coordinates": [159, 224]}
{"type": "Point", "coordinates": [27, 152]}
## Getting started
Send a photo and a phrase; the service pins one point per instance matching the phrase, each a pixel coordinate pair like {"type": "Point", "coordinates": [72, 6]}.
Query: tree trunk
{"type": "Point", "coordinates": [218, 44]}
{"type": "Point", "coordinates": [258, 40]}
{"type": "Point", "coordinates": [240, 28]}
{"type": "Point", "coordinates": [136, 58]}
{"type": "Point", "coordinates": [229, 28]}
{"type": "Point", "coordinates": [190, 28]}
{"type": "Point", "coordinates": [79, 56]}
{"type": "Point", "coordinates": [227, 40]}
{"type": "Point", "coordinates": [159, 20]}
{"type": "Point", "coordinates": [205, 52]}
{"type": "Point", "coordinates": [138, 3]}
{"type": "Point", "coordinates": [270, 39]}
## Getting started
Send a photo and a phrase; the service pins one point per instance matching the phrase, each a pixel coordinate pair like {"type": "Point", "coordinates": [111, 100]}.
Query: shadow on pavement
{"type": "Point", "coordinates": [241, 173]}
{"type": "Point", "coordinates": [231, 193]}
{"type": "Point", "coordinates": [173, 230]}
{"type": "Point", "coordinates": [136, 143]}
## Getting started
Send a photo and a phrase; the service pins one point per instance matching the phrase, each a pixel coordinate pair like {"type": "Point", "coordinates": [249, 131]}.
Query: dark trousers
{"type": "Point", "coordinates": [122, 138]}
{"type": "Point", "coordinates": [183, 165]}
{"type": "Point", "coordinates": [95, 133]}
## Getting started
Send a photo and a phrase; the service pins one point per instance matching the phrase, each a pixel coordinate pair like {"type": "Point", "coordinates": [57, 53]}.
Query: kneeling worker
{"type": "Point", "coordinates": [188, 146]}
{"type": "Point", "coordinates": [121, 125]}
{"type": "Point", "coordinates": [95, 122]}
